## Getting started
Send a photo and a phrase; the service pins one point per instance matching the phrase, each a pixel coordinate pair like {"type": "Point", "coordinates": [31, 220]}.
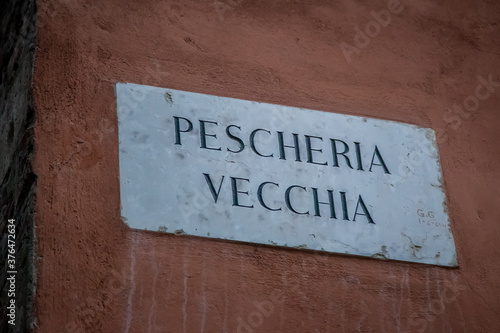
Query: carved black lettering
{"type": "Point", "coordinates": [381, 160]}
{"type": "Point", "coordinates": [241, 145]}
{"type": "Point", "coordinates": [203, 134]}
{"type": "Point", "coordinates": [310, 150]}
{"type": "Point", "coordinates": [357, 148]}
{"type": "Point", "coordinates": [178, 130]}
{"type": "Point", "coordinates": [288, 202]}
{"type": "Point", "coordinates": [361, 204]}
{"type": "Point", "coordinates": [344, 206]}
{"type": "Point", "coordinates": [336, 153]}
{"type": "Point", "coordinates": [261, 199]}
{"type": "Point", "coordinates": [295, 146]}
{"type": "Point", "coordinates": [252, 141]}
{"type": "Point", "coordinates": [215, 194]}
{"type": "Point", "coordinates": [234, 187]}
{"type": "Point", "coordinates": [317, 203]}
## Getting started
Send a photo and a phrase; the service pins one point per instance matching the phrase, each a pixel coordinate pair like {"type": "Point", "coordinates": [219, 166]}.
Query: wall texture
{"type": "Point", "coordinates": [17, 186]}
{"type": "Point", "coordinates": [96, 275]}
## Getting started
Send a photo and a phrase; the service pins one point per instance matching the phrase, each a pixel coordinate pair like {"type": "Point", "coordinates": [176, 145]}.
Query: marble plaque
{"type": "Point", "coordinates": [239, 170]}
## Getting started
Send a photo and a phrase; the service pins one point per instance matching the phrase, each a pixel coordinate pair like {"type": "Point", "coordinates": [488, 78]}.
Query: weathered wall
{"type": "Point", "coordinates": [96, 275]}
{"type": "Point", "coordinates": [17, 186]}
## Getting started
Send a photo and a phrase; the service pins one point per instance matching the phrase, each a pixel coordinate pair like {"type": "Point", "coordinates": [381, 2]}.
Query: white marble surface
{"type": "Point", "coordinates": [163, 186]}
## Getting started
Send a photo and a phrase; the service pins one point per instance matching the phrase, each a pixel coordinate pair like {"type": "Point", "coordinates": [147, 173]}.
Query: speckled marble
{"type": "Point", "coordinates": [386, 189]}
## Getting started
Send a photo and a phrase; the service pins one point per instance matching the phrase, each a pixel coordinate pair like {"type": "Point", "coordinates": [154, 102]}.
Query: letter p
{"type": "Point", "coordinates": [178, 130]}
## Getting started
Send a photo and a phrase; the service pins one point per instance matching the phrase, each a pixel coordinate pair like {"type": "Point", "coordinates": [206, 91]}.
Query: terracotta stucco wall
{"type": "Point", "coordinates": [96, 275]}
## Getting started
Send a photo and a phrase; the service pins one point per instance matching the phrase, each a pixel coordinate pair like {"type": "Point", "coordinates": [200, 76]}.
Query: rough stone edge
{"type": "Point", "coordinates": [17, 188]}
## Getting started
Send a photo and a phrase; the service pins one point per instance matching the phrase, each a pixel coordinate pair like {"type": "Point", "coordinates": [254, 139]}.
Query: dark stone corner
{"type": "Point", "coordinates": [17, 186]}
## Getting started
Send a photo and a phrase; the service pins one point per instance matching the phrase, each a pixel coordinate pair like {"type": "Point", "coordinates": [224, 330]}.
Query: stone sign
{"type": "Point", "coordinates": [239, 170]}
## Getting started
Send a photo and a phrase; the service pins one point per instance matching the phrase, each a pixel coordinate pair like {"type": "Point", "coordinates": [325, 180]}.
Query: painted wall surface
{"type": "Point", "coordinates": [432, 64]}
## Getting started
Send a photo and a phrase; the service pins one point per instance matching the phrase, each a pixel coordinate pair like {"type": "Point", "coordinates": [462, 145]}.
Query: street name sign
{"type": "Point", "coordinates": [239, 170]}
